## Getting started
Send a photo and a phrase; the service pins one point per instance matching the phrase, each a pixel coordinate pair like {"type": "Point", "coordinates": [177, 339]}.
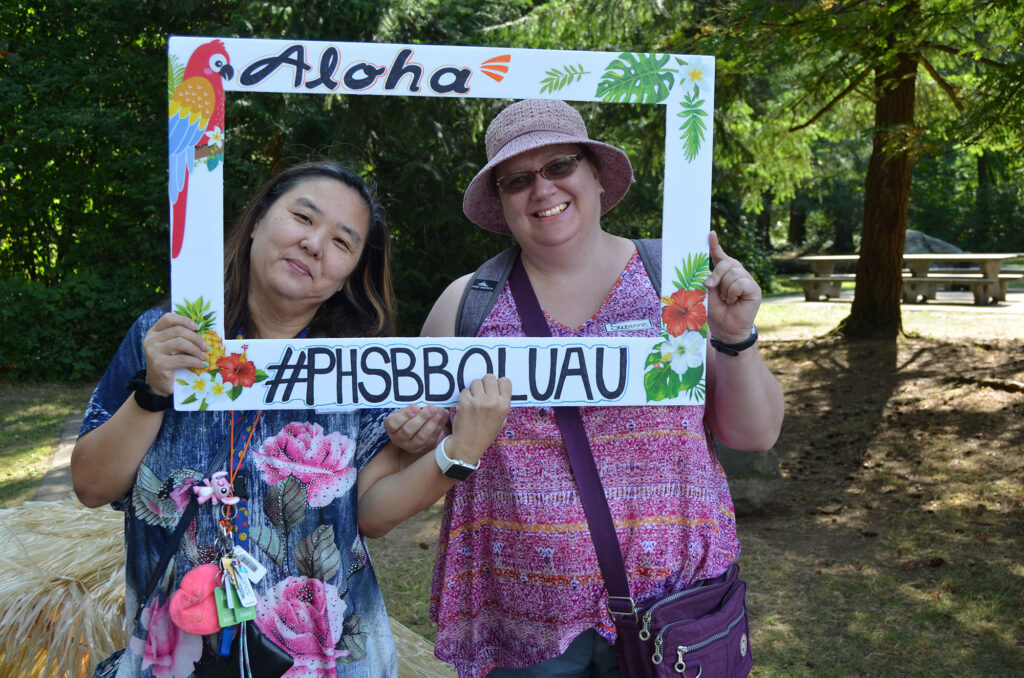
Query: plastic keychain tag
{"type": "Point", "coordinates": [226, 636]}
{"type": "Point", "coordinates": [244, 590]}
{"type": "Point", "coordinates": [248, 565]}
{"type": "Point", "coordinates": [229, 614]}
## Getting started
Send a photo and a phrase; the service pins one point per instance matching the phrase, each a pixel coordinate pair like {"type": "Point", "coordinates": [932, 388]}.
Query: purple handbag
{"type": "Point", "coordinates": [700, 631]}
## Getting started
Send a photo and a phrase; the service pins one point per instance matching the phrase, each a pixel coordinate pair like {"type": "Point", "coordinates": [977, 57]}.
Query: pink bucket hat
{"type": "Point", "coordinates": [530, 124]}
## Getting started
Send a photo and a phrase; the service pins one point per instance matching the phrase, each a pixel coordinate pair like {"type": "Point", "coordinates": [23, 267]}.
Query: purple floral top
{"type": "Point", "coordinates": [319, 600]}
{"type": "Point", "coordinates": [516, 577]}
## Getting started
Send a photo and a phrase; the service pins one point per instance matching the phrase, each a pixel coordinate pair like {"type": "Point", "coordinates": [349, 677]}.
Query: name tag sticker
{"type": "Point", "coordinates": [629, 325]}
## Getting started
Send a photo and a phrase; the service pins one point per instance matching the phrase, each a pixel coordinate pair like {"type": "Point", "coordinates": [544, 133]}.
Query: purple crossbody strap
{"type": "Point", "coordinates": [595, 504]}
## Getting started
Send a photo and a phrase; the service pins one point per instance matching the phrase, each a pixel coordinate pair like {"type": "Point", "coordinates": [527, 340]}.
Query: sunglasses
{"type": "Point", "coordinates": [559, 168]}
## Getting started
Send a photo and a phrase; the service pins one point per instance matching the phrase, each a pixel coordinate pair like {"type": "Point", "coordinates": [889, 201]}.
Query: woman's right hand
{"type": "Point", "coordinates": [479, 417]}
{"type": "Point", "coordinates": [172, 344]}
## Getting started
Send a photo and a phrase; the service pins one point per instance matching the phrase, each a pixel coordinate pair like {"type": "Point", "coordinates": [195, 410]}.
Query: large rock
{"type": "Point", "coordinates": [922, 243]}
{"type": "Point", "coordinates": [754, 477]}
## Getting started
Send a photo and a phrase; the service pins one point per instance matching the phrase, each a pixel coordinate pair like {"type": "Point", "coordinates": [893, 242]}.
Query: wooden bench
{"type": "Point", "coordinates": [983, 288]}
{"type": "Point", "coordinates": [828, 286]}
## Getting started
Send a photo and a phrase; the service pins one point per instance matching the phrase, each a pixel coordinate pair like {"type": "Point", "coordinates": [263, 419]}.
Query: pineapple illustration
{"type": "Point", "coordinates": [200, 313]}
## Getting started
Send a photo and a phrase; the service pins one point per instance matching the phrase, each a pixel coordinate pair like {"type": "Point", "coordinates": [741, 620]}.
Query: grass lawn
{"type": "Point", "coordinates": [31, 419]}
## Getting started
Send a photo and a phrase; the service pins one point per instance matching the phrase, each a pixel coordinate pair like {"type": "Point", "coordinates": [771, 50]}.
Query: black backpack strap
{"type": "Point", "coordinates": [650, 253]}
{"type": "Point", "coordinates": [481, 292]}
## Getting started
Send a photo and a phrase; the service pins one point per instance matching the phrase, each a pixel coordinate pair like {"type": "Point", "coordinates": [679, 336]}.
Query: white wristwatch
{"type": "Point", "coordinates": [452, 468]}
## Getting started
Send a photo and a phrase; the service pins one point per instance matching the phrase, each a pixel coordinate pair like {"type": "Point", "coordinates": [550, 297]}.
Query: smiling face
{"type": "Point", "coordinates": [306, 245]}
{"type": "Point", "coordinates": [551, 212]}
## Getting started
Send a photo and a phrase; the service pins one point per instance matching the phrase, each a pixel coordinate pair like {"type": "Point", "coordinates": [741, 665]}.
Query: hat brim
{"type": "Point", "coordinates": [483, 206]}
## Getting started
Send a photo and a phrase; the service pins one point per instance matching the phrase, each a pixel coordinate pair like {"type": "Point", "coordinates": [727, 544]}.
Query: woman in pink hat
{"type": "Point", "coordinates": [517, 589]}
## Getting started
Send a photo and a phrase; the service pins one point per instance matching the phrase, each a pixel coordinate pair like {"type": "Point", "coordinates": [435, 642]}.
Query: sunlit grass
{"type": "Point", "coordinates": [31, 418]}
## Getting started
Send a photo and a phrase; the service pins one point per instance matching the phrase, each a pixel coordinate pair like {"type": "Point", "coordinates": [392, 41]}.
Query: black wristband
{"type": "Point", "coordinates": [734, 349]}
{"type": "Point", "coordinates": [145, 398]}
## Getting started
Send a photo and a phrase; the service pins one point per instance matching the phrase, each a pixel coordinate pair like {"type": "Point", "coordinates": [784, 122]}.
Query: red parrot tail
{"type": "Point", "coordinates": [178, 220]}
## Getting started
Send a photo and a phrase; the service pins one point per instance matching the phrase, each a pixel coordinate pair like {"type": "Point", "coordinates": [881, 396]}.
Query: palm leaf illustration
{"type": "Point", "coordinates": [175, 74]}
{"type": "Point", "coordinates": [638, 78]}
{"type": "Point", "coordinates": [694, 272]}
{"type": "Point", "coordinates": [693, 127]}
{"type": "Point", "coordinates": [557, 79]}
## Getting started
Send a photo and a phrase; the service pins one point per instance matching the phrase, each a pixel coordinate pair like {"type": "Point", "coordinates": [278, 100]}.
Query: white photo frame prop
{"type": "Point", "coordinates": [392, 372]}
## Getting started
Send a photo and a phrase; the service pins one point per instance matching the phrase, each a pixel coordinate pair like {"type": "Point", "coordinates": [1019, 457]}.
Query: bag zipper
{"type": "Point", "coordinates": [645, 621]}
{"type": "Point", "coordinates": [657, 657]}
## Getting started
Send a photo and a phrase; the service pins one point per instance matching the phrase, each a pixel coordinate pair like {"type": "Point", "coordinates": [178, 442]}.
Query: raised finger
{"type": "Point", "coordinates": [715, 248]}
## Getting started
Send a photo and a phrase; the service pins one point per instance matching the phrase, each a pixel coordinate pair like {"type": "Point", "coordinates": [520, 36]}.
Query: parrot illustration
{"type": "Point", "coordinates": [195, 109]}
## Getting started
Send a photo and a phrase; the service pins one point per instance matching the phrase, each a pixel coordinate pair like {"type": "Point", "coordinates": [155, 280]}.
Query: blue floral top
{"type": "Point", "coordinates": [319, 599]}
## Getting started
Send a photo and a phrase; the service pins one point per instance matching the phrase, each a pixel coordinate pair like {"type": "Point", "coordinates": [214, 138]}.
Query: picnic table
{"type": "Point", "coordinates": [921, 279]}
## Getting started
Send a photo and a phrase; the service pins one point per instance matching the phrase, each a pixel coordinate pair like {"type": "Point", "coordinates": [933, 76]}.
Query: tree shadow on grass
{"type": "Point", "coordinates": [892, 549]}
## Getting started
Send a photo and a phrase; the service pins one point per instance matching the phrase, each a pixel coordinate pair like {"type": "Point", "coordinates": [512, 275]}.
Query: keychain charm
{"type": "Point", "coordinates": [235, 597]}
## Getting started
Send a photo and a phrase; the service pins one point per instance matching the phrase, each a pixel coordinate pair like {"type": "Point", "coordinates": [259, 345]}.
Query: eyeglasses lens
{"type": "Point", "coordinates": [559, 168]}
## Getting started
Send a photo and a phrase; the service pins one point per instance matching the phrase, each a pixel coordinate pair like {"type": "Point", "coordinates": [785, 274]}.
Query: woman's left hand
{"type": "Point", "coordinates": [733, 296]}
{"type": "Point", "coordinates": [417, 430]}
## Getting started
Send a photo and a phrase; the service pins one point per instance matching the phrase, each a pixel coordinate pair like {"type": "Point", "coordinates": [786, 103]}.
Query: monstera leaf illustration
{"type": "Point", "coordinates": [317, 556]}
{"type": "Point", "coordinates": [637, 78]}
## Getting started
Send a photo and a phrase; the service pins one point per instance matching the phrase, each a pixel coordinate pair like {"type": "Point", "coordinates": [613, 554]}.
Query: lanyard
{"type": "Point", "coordinates": [235, 518]}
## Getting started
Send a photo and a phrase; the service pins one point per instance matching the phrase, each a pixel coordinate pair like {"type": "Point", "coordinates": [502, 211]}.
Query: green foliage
{"type": "Point", "coordinates": [83, 163]}
{"type": "Point", "coordinates": [64, 331]}
{"type": "Point", "coordinates": [640, 78]}
{"type": "Point", "coordinates": [972, 200]}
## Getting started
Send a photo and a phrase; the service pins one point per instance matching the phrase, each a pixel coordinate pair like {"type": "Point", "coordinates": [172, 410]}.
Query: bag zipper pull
{"type": "Point", "coordinates": [657, 656]}
{"type": "Point", "coordinates": [680, 666]}
{"type": "Point", "coordinates": [645, 626]}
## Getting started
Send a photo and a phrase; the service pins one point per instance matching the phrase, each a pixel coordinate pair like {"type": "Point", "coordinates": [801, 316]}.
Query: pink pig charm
{"type": "Point", "coordinates": [217, 489]}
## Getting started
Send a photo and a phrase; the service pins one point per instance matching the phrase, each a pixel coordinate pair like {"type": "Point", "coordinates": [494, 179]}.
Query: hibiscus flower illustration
{"type": "Point", "coordinates": [237, 369]}
{"type": "Point", "coordinates": [685, 312]}
{"type": "Point", "coordinates": [684, 351]}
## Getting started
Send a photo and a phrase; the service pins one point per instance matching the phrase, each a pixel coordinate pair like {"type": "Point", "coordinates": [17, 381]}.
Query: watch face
{"type": "Point", "coordinates": [459, 471]}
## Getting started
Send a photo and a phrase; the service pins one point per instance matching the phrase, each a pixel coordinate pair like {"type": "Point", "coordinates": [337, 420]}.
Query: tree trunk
{"type": "Point", "coordinates": [764, 220]}
{"type": "Point", "coordinates": [797, 234]}
{"type": "Point", "coordinates": [842, 235]}
{"type": "Point", "coordinates": [876, 304]}
{"type": "Point", "coordinates": [983, 198]}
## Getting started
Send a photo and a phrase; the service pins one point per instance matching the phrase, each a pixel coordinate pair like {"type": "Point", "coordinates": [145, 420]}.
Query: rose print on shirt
{"type": "Point", "coordinates": [305, 617]}
{"type": "Point", "coordinates": [321, 462]}
{"type": "Point", "coordinates": [167, 650]}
